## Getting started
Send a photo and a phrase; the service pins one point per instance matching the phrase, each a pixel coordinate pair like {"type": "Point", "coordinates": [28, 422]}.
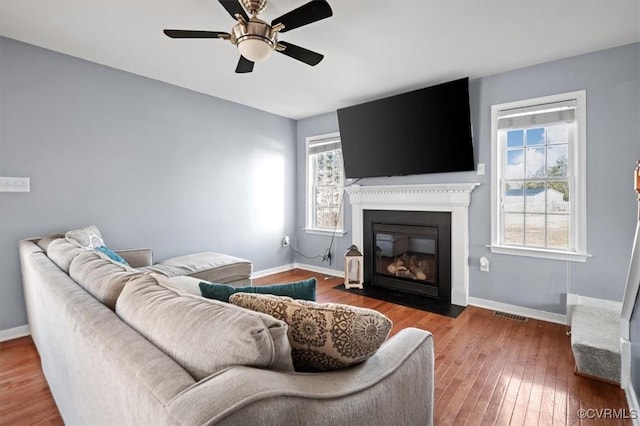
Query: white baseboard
{"type": "Point", "coordinates": [519, 310]}
{"type": "Point", "coordinates": [276, 270]}
{"type": "Point", "coordinates": [14, 333]}
{"type": "Point", "coordinates": [320, 270]}
{"type": "Point", "coordinates": [634, 406]}
{"type": "Point", "coordinates": [290, 266]}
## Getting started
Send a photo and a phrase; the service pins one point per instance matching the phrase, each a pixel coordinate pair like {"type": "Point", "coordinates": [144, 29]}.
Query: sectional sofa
{"type": "Point", "coordinates": [124, 345]}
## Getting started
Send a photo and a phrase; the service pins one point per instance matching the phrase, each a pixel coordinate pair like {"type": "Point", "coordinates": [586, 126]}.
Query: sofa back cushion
{"type": "Point", "coordinates": [44, 242]}
{"type": "Point", "coordinates": [101, 277]}
{"type": "Point", "coordinates": [202, 335]}
{"type": "Point", "coordinates": [62, 252]}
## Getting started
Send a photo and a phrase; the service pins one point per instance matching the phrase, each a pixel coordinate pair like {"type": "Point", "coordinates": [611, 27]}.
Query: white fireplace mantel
{"type": "Point", "coordinates": [454, 198]}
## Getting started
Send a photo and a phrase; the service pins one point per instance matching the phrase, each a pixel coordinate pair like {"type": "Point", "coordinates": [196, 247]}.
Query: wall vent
{"type": "Point", "coordinates": [509, 316]}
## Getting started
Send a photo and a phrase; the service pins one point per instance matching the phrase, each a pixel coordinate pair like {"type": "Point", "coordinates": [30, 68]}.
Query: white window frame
{"type": "Point", "coordinates": [578, 198]}
{"type": "Point", "coordinates": [309, 228]}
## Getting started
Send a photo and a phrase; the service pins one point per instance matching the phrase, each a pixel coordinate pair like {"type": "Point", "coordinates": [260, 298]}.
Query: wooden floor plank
{"type": "Point", "coordinates": [488, 370]}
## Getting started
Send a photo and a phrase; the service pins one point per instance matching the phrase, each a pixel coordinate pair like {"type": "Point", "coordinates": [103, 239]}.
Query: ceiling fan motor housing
{"type": "Point", "coordinates": [255, 30]}
{"type": "Point", "coordinates": [256, 6]}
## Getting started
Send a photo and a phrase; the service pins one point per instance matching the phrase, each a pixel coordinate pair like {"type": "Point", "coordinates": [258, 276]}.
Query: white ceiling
{"type": "Point", "coordinates": [372, 48]}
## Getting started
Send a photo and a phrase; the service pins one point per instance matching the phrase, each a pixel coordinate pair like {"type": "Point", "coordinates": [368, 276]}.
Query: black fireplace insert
{"type": "Point", "coordinates": [409, 251]}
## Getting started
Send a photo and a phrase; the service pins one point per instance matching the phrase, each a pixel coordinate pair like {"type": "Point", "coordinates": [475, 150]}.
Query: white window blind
{"type": "Point", "coordinates": [324, 145]}
{"type": "Point", "coordinates": [538, 115]}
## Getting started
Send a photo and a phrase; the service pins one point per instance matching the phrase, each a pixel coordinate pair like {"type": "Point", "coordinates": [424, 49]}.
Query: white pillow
{"type": "Point", "coordinates": [88, 237]}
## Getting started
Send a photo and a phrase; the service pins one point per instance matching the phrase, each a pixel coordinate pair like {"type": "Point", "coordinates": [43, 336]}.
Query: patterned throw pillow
{"type": "Point", "coordinates": [88, 237]}
{"type": "Point", "coordinates": [323, 336]}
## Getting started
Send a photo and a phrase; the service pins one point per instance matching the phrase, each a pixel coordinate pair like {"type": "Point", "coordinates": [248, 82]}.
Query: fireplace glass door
{"type": "Point", "coordinates": [406, 254]}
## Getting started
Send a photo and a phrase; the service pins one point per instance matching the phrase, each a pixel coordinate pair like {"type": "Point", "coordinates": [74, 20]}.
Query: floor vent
{"type": "Point", "coordinates": [509, 316]}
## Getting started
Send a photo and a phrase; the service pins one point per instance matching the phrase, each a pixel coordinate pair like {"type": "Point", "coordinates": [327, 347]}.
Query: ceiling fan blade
{"type": "Point", "coordinates": [244, 65]}
{"type": "Point", "coordinates": [306, 14]}
{"type": "Point", "coordinates": [234, 7]}
{"type": "Point", "coordinates": [300, 53]}
{"type": "Point", "coordinates": [194, 34]}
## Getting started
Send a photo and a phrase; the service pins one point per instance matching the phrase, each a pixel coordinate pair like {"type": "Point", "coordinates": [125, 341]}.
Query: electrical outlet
{"type": "Point", "coordinates": [484, 264]}
{"type": "Point", "coordinates": [285, 241]}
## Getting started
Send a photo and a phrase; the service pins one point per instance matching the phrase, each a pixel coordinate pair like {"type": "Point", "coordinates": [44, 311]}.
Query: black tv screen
{"type": "Point", "coordinates": [424, 131]}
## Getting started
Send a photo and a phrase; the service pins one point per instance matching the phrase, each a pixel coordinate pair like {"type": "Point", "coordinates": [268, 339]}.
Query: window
{"type": "Point", "coordinates": [325, 184]}
{"type": "Point", "coordinates": [538, 177]}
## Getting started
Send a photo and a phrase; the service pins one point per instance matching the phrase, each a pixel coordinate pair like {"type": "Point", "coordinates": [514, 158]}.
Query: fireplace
{"type": "Point", "coordinates": [452, 199]}
{"type": "Point", "coordinates": [408, 251]}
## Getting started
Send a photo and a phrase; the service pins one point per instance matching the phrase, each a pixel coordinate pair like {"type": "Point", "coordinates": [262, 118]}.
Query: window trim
{"type": "Point", "coordinates": [578, 161]}
{"type": "Point", "coordinates": [339, 232]}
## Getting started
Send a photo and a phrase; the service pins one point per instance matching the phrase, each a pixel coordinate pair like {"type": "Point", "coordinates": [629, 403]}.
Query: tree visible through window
{"type": "Point", "coordinates": [325, 183]}
{"type": "Point", "coordinates": [538, 175]}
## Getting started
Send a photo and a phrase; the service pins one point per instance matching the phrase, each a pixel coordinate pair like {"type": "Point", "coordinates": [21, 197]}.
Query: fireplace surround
{"type": "Point", "coordinates": [452, 198]}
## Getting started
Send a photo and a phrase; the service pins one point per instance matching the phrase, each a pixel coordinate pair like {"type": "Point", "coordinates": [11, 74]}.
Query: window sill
{"type": "Point", "coordinates": [338, 232]}
{"type": "Point", "coordinates": [540, 253]}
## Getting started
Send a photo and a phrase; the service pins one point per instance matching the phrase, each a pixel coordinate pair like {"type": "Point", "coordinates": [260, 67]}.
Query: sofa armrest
{"type": "Point", "coordinates": [395, 386]}
{"type": "Point", "coordinates": [137, 258]}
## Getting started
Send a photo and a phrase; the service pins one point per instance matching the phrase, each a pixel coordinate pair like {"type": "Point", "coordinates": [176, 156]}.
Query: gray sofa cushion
{"type": "Point", "coordinates": [62, 253]}
{"type": "Point", "coordinates": [101, 277]}
{"type": "Point", "coordinates": [184, 284]}
{"type": "Point", "coordinates": [44, 242]}
{"type": "Point", "coordinates": [209, 266]}
{"type": "Point", "coordinates": [204, 336]}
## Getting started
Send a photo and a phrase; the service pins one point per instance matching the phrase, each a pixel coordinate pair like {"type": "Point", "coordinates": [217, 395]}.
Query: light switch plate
{"type": "Point", "coordinates": [480, 169]}
{"type": "Point", "coordinates": [14, 184]}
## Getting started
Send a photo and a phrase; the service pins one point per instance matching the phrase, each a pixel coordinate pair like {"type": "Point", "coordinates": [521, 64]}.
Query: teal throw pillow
{"type": "Point", "coordinates": [112, 255]}
{"type": "Point", "coordinates": [301, 290]}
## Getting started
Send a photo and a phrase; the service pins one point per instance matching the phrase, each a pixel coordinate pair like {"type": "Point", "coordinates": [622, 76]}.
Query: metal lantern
{"type": "Point", "coordinates": [353, 268]}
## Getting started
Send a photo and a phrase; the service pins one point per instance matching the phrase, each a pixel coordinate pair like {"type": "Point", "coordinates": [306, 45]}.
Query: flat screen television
{"type": "Point", "coordinates": [419, 132]}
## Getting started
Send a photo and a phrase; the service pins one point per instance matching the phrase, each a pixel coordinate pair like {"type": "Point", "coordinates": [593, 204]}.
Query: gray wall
{"type": "Point", "coordinates": [152, 165]}
{"type": "Point", "coordinates": [611, 79]}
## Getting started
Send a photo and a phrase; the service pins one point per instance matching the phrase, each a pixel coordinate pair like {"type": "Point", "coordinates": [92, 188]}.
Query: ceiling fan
{"type": "Point", "coordinates": [256, 39]}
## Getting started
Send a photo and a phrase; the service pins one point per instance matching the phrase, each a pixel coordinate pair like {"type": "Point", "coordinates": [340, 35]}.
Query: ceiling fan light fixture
{"type": "Point", "coordinates": [255, 38]}
{"type": "Point", "coordinates": [255, 49]}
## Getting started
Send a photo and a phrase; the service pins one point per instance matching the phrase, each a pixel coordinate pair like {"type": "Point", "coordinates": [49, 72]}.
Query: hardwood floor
{"type": "Point", "coordinates": [488, 370]}
{"type": "Point", "coordinates": [25, 398]}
